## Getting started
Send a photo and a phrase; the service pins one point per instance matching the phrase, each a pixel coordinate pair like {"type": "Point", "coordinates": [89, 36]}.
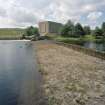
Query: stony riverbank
{"type": "Point", "coordinates": [71, 77]}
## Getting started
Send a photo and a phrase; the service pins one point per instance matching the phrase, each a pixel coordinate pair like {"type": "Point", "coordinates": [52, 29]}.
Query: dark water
{"type": "Point", "coordinates": [96, 46]}
{"type": "Point", "coordinates": [19, 79]}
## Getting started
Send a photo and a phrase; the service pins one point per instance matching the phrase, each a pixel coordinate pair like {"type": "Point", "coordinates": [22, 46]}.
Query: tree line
{"type": "Point", "coordinates": [72, 30]}
{"type": "Point", "coordinates": [76, 30]}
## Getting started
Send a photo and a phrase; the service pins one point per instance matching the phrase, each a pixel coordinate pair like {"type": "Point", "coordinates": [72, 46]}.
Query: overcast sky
{"type": "Point", "coordinates": [22, 13]}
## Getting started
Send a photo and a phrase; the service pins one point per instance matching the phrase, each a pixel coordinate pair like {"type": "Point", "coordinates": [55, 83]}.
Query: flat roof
{"type": "Point", "coordinates": [50, 22]}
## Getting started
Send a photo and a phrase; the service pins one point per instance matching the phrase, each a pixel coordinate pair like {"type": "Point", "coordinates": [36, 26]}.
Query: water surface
{"type": "Point", "coordinates": [95, 46]}
{"type": "Point", "coordinates": [19, 78]}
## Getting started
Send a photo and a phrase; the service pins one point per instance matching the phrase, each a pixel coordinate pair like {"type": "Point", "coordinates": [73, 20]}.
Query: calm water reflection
{"type": "Point", "coordinates": [96, 46]}
{"type": "Point", "coordinates": [19, 78]}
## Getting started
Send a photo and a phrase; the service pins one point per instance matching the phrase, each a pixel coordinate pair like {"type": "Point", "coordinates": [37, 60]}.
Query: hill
{"type": "Point", "coordinates": [11, 32]}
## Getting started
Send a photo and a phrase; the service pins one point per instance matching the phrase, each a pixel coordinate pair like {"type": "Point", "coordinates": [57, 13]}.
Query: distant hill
{"type": "Point", "coordinates": [11, 32]}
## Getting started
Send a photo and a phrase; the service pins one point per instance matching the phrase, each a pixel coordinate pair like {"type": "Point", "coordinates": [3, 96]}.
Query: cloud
{"type": "Point", "coordinates": [93, 16]}
{"type": "Point", "coordinates": [3, 12]}
{"type": "Point", "coordinates": [21, 13]}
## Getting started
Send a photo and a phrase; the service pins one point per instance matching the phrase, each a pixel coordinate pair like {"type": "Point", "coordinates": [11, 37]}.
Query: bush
{"type": "Point", "coordinates": [98, 32]}
{"type": "Point", "coordinates": [79, 30]}
{"type": "Point", "coordinates": [31, 31]}
{"type": "Point", "coordinates": [68, 29]}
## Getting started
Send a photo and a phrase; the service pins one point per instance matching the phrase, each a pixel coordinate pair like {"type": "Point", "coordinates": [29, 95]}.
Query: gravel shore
{"type": "Point", "coordinates": [70, 77]}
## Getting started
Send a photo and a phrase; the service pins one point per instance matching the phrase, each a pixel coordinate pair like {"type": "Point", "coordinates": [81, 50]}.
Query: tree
{"type": "Point", "coordinates": [64, 31]}
{"type": "Point", "coordinates": [31, 31]}
{"type": "Point", "coordinates": [87, 30]}
{"type": "Point", "coordinates": [79, 30]}
{"type": "Point", "coordinates": [98, 32]}
{"type": "Point", "coordinates": [68, 29]}
{"type": "Point", "coordinates": [103, 28]}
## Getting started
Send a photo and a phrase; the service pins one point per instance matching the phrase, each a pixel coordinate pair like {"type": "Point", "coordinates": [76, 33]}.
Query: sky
{"type": "Point", "coordinates": [23, 13]}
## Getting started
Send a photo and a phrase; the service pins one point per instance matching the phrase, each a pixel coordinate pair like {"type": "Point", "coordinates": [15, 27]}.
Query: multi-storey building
{"type": "Point", "coordinates": [49, 27]}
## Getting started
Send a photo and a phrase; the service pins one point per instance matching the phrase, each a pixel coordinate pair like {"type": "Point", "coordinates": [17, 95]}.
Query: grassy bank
{"type": "Point", "coordinates": [10, 33]}
{"type": "Point", "coordinates": [70, 40]}
{"type": "Point", "coordinates": [76, 40]}
{"type": "Point", "coordinates": [92, 38]}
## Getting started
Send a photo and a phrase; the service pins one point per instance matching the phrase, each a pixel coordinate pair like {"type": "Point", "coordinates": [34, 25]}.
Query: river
{"type": "Point", "coordinates": [95, 46]}
{"type": "Point", "coordinates": [20, 81]}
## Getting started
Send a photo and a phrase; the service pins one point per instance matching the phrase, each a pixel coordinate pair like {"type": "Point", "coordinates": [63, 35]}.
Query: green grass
{"type": "Point", "coordinates": [11, 32]}
{"type": "Point", "coordinates": [76, 40]}
{"type": "Point", "coordinates": [89, 38]}
{"type": "Point", "coordinates": [69, 40]}
{"type": "Point", "coordinates": [92, 38]}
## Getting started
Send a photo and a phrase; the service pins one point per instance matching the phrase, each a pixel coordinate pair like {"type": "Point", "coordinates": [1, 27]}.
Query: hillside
{"type": "Point", "coordinates": [11, 32]}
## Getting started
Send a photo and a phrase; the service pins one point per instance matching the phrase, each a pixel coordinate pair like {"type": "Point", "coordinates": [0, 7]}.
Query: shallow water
{"type": "Point", "coordinates": [96, 46]}
{"type": "Point", "coordinates": [20, 80]}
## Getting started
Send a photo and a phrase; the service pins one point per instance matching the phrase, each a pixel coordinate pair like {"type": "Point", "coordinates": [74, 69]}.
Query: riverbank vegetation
{"type": "Point", "coordinates": [31, 33]}
{"type": "Point", "coordinates": [11, 32]}
{"type": "Point", "coordinates": [76, 33]}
